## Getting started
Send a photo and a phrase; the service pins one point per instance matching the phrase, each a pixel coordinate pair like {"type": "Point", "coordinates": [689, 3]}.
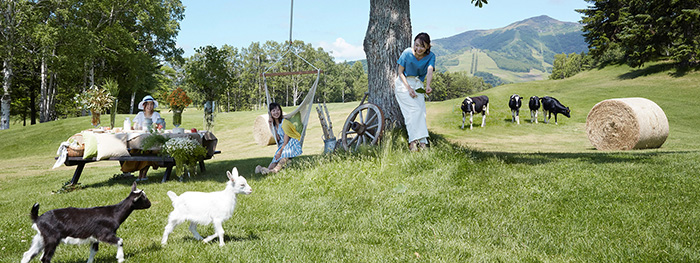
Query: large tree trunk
{"type": "Point", "coordinates": [388, 34]}
{"type": "Point", "coordinates": [5, 107]}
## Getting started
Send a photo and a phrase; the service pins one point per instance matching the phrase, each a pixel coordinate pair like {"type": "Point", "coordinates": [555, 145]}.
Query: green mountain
{"type": "Point", "coordinates": [522, 51]}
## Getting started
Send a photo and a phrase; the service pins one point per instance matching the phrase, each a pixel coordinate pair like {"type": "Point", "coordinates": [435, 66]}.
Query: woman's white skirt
{"type": "Point", "coordinates": [413, 109]}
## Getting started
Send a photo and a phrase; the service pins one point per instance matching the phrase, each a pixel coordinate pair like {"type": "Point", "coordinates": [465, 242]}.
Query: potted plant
{"type": "Point", "coordinates": [178, 101]}
{"type": "Point", "coordinates": [186, 152]}
{"type": "Point", "coordinates": [96, 100]}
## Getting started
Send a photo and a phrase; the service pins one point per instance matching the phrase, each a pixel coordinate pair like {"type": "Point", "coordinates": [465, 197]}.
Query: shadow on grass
{"type": "Point", "coordinates": [594, 158]}
{"type": "Point", "coordinates": [539, 158]}
{"type": "Point", "coordinates": [676, 71]}
{"type": "Point", "coordinates": [215, 171]}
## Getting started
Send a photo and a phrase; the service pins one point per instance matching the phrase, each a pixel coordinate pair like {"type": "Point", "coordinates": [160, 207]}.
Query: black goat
{"type": "Point", "coordinates": [514, 103]}
{"type": "Point", "coordinates": [472, 105]}
{"type": "Point", "coordinates": [551, 105]}
{"type": "Point", "coordinates": [80, 225]}
{"type": "Point", "coordinates": [534, 108]}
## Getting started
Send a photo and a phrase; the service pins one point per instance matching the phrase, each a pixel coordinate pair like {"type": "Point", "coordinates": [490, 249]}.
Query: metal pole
{"type": "Point", "coordinates": [291, 18]}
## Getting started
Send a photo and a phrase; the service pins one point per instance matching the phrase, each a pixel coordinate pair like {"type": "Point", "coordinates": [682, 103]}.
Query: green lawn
{"type": "Point", "coordinates": [506, 192]}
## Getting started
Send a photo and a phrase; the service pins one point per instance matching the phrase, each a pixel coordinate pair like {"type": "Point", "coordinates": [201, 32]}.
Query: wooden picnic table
{"type": "Point", "coordinates": [134, 140]}
{"type": "Point", "coordinates": [163, 161]}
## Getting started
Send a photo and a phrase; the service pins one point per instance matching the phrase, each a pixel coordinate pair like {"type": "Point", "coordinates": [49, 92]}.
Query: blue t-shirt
{"type": "Point", "coordinates": [415, 67]}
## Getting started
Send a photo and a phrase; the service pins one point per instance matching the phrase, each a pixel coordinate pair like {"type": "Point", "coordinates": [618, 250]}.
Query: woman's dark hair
{"type": "Point", "coordinates": [425, 38]}
{"type": "Point", "coordinates": [276, 105]}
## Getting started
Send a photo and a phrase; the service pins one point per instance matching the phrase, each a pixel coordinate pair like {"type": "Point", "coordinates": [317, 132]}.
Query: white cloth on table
{"type": "Point", "coordinates": [413, 109]}
{"type": "Point", "coordinates": [62, 154]}
{"type": "Point", "coordinates": [140, 120]}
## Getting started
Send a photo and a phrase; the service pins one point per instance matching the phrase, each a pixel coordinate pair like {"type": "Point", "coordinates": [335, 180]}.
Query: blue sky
{"type": "Point", "coordinates": [340, 26]}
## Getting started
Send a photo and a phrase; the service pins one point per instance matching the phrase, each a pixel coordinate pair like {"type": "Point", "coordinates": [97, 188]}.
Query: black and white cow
{"type": "Point", "coordinates": [551, 105]}
{"type": "Point", "coordinates": [514, 103]}
{"type": "Point", "coordinates": [534, 108]}
{"type": "Point", "coordinates": [472, 105]}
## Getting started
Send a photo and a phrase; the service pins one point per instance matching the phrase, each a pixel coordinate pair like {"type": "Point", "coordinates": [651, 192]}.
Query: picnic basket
{"type": "Point", "coordinates": [77, 145]}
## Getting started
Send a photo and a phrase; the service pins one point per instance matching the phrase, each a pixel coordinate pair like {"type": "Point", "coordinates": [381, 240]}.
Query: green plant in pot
{"type": "Point", "coordinates": [96, 100]}
{"type": "Point", "coordinates": [186, 152]}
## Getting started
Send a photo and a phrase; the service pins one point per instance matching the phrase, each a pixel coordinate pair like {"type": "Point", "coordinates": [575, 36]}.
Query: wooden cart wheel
{"type": "Point", "coordinates": [364, 125]}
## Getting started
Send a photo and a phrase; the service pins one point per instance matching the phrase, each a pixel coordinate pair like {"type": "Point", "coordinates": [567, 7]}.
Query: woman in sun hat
{"type": "Point", "coordinates": [147, 106]}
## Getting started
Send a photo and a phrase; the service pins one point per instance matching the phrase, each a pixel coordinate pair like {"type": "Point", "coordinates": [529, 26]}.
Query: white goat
{"type": "Point", "coordinates": [80, 225]}
{"type": "Point", "coordinates": [205, 208]}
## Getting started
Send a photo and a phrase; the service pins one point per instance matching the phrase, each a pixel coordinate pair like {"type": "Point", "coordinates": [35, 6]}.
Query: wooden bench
{"type": "Point", "coordinates": [163, 161]}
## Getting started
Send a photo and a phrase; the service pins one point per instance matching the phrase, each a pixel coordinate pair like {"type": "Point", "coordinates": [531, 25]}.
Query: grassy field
{"type": "Point", "coordinates": [505, 192]}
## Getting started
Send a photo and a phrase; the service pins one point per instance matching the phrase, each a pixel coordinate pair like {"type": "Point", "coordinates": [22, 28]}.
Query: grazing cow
{"type": "Point", "coordinates": [473, 105]}
{"type": "Point", "coordinates": [514, 104]}
{"type": "Point", "coordinates": [551, 105]}
{"type": "Point", "coordinates": [534, 108]}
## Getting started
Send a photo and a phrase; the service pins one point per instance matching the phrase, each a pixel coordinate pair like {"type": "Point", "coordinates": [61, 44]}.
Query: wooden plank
{"type": "Point", "coordinates": [290, 73]}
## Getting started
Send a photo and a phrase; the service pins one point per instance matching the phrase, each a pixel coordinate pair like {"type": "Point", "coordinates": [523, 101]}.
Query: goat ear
{"type": "Point", "coordinates": [133, 187]}
{"type": "Point", "coordinates": [232, 174]}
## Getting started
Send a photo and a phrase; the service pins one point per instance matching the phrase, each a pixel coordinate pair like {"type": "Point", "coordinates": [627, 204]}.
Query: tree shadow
{"type": "Point", "coordinates": [539, 158]}
{"type": "Point", "coordinates": [215, 170]}
{"type": "Point", "coordinates": [653, 69]}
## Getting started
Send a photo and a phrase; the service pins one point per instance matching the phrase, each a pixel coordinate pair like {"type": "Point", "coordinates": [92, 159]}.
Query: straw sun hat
{"type": "Point", "coordinates": [148, 98]}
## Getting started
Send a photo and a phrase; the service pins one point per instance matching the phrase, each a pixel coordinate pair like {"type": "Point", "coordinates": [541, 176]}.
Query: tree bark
{"type": "Point", "coordinates": [5, 104]}
{"type": "Point", "coordinates": [388, 34]}
{"type": "Point", "coordinates": [44, 104]}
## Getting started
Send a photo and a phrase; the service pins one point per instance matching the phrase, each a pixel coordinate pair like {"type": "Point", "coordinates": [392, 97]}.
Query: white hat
{"type": "Point", "coordinates": [148, 98]}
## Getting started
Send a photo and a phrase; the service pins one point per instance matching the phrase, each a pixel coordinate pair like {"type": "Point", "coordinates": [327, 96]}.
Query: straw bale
{"type": "Point", "coordinates": [261, 131]}
{"type": "Point", "coordinates": [626, 123]}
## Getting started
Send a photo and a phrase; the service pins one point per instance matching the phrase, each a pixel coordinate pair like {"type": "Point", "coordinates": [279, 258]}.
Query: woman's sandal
{"type": "Point", "coordinates": [412, 147]}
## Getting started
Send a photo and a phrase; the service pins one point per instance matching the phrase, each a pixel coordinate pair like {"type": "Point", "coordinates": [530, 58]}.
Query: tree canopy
{"type": "Point", "coordinates": [644, 31]}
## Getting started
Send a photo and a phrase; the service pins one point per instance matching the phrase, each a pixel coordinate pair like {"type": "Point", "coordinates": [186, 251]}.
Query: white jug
{"type": "Point", "coordinates": [127, 124]}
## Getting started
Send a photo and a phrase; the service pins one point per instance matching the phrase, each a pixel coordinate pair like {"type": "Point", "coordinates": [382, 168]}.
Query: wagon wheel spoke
{"type": "Point", "coordinates": [371, 119]}
{"type": "Point", "coordinates": [373, 127]}
{"type": "Point", "coordinates": [370, 136]}
{"type": "Point", "coordinates": [353, 140]}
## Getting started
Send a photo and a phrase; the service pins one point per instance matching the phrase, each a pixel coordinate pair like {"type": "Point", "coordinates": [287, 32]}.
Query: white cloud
{"type": "Point", "coordinates": [343, 51]}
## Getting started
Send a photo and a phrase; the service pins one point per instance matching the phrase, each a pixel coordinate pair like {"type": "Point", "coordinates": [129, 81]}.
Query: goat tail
{"type": "Point", "coordinates": [35, 212]}
{"type": "Point", "coordinates": [172, 196]}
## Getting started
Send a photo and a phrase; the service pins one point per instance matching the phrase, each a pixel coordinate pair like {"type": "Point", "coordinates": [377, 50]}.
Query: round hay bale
{"type": "Point", "coordinates": [261, 131]}
{"type": "Point", "coordinates": [626, 123]}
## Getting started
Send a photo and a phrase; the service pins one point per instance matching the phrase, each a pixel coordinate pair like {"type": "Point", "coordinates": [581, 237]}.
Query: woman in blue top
{"type": "Point", "coordinates": [416, 66]}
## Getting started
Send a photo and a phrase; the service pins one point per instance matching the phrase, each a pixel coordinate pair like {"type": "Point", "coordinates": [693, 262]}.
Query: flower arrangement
{"type": "Point", "coordinates": [186, 152]}
{"type": "Point", "coordinates": [96, 99]}
{"type": "Point", "coordinates": [178, 99]}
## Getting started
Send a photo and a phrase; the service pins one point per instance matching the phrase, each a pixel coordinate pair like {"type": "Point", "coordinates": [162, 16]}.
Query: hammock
{"type": "Point", "coordinates": [299, 116]}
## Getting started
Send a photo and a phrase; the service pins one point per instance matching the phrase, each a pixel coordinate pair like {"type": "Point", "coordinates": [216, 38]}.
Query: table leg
{"type": "Point", "coordinates": [77, 173]}
{"type": "Point", "coordinates": [201, 166]}
{"type": "Point", "coordinates": [168, 170]}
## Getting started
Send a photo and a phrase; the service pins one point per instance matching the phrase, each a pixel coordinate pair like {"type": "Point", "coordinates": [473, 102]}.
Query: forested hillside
{"type": "Point", "coordinates": [521, 51]}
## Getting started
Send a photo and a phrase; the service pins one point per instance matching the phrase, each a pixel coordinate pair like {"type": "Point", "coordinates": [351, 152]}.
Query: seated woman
{"type": "Point", "coordinates": [141, 122]}
{"type": "Point", "coordinates": [288, 145]}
